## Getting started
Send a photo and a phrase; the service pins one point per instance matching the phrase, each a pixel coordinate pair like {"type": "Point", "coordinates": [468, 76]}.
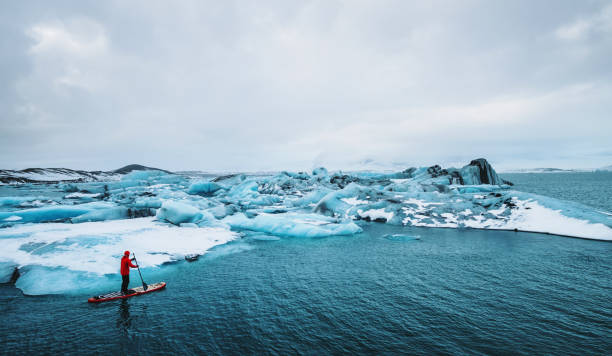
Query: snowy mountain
{"type": "Point", "coordinates": [544, 170]}
{"type": "Point", "coordinates": [55, 175]}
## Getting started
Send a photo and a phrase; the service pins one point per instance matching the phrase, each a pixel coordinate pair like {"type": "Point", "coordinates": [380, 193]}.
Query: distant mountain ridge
{"type": "Point", "coordinates": [605, 169]}
{"type": "Point", "coordinates": [545, 170]}
{"type": "Point", "coordinates": [56, 175]}
{"type": "Point", "coordinates": [137, 167]}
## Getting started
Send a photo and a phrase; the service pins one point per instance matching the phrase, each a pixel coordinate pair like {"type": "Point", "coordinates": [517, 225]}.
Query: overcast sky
{"type": "Point", "coordinates": [266, 85]}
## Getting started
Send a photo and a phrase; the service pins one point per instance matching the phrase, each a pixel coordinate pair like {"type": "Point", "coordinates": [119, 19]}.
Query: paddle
{"type": "Point", "coordinates": [144, 285]}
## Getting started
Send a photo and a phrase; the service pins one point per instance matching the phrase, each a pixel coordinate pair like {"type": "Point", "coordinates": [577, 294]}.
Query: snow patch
{"type": "Point", "coordinates": [376, 214]}
{"type": "Point", "coordinates": [95, 248]}
{"type": "Point", "coordinates": [354, 201]}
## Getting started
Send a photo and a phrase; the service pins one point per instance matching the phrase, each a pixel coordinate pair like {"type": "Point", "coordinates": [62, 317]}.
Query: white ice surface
{"type": "Point", "coordinates": [77, 195]}
{"type": "Point", "coordinates": [527, 216]}
{"type": "Point", "coordinates": [96, 247]}
{"type": "Point", "coordinates": [374, 214]}
{"type": "Point", "coordinates": [531, 216]}
{"type": "Point", "coordinates": [293, 225]}
{"type": "Point", "coordinates": [354, 201]}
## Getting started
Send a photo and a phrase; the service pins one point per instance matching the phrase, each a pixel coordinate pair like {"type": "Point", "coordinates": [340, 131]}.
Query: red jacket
{"type": "Point", "coordinates": [125, 265]}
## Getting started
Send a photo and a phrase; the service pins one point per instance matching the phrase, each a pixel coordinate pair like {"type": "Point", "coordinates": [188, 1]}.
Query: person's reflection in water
{"type": "Point", "coordinates": [124, 321]}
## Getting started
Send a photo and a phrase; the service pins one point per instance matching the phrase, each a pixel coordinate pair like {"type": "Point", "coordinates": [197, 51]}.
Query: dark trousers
{"type": "Point", "coordinates": [126, 281]}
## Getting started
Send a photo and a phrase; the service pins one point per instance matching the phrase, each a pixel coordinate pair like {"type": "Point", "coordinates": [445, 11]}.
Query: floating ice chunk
{"type": "Point", "coordinates": [221, 211]}
{"type": "Point", "coordinates": [332, 203]}
{"type": "Point", "coordinates": [109, 214]}
{"type": "Point", "coordinates": [354, 201]}
{"type": "Point", "coordinates": [177, 213]}
{"type": "Point", "coordinates": [450, 220]}
{"type": "Point", "coordinates": [470, 175]}
{"type": "Point", "coordinates": [321, 172]}
{"type": "Point", "coordinates": [310, 198]}
{"type": "Point", "coordinates": [147, 202]}
{"type": "Point", "coordinates": [245, 190]}
{"type": "Point", "coordinates": [483, 188]}
{"type": "Point", "coordinates": [479, 171]}
{"type": "Point", "coordinates": [524, 212]}
{"type": "Point", "coordinates": [37, 280]}
{"type": "Point", "coordinates": [78, 195]}
{"type": "Point", "coordinates": [188, 225]}
{"type": "Point", "coordinates": [405, 187]}
{"type": "Point", "coordinates": [466, 212]}
{"type": "Point", "coordinates": [293, 225]}
{"type": "Point", "coordinates": [421, 204]}
{"type": "Point", "coordinates": [204, 188]}
{"type": "Point", "coordinates": [13, 218]}
{"type": "Point", "coordinates": [261, 236]}
{"type": "Point", "coordinates": [265, 238]}
{"type": "Point", "coordinates": [68, 188]}
{"type": "Point", "coordinates": [298, 175]}
{"type": "Point", "coordinates": [6, 271]}
{"type": "Point", "coordinates": [401, 237]}
{"type": "Point", "coordinates": [16, 201]}
{"type": "Point", "coordinates": [54, 213]}
{"type": "Point", "coordinates": [376, 215]}
{"type": "Point", "coordinates": [208, 219]}
{"type": "Point", "coordinates": [228, 249]}
{"type": "Point", "coordinates": [263, 200]}
{"type": "Point", "coordinates": [532, 216]}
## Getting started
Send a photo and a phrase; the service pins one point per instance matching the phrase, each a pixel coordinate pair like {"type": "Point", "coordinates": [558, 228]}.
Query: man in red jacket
{"type": "Point", "coordinates": [125, 271]}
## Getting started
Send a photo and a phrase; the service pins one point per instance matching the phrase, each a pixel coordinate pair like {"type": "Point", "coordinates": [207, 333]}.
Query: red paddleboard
{"type": "Point", "coordinates": [133, 292]}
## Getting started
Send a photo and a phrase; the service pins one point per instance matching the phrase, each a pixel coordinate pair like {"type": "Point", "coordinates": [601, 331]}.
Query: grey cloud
{"type": "Point", "coordinates": [286, 85]}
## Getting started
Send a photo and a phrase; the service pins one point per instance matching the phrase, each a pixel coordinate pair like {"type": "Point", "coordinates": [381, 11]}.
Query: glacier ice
{"type": "Point", "coordinates": [321, 171]}
{"type": "Point", "coordinates": [178, 213]}
{"type": "Point", "coordinates": [55, 212]}
{"type": "Point", "coordinates": [16, 201]}
{"type": "Point", "coordinates": [293, 225]}
{"type": "Point", "coordinates": [7, 270]}
{"type": "Point", "coordinates": [204, 188]}
{"type": "Point", "coordinates": [59, 257]}
{"type": "Point", "coordinates": [169, 216]}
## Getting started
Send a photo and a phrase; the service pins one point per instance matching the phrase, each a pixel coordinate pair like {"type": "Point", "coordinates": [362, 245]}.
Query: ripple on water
{"type": "Point", "coordinates": [454, 291]}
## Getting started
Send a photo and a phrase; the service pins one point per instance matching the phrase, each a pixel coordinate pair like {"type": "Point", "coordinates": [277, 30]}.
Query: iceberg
{"type": "Point", "coordinates": [178, 213]}
{"type": "Point", "coordinates": [401, 237]}
{"type": "Point", "coordinates": [293, 225]}
{"type": "Point", "coordinates": [204, 188]}
{"type": "Point", "coordinates": [16, 201]}
{"type": "Point", "coordinates": [479, 171]}
{"type": "Point", "coordinates": [54, 213]}
{"type": "Point", "coordinates": [7, 272]}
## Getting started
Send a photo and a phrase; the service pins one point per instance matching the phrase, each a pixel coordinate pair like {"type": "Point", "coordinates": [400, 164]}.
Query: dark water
{"type": "Point", "coordinates": [592, 189]}
{"type": "Point", "coordinates": [451, 292]}
{"type": "Point", "coordinates": [448, 292]}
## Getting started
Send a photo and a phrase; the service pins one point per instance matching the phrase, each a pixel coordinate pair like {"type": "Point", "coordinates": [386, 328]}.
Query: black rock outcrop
{"type": "Point", "coordinates": [487, 174]}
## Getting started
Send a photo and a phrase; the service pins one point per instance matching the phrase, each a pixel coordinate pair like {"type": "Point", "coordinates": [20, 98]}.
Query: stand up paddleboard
{"type": "Point", "coordinates": [133, 292]}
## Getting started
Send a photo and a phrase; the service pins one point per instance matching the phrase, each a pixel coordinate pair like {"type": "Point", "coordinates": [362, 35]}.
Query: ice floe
{"type": "Point", "coordinates": [89, 251]}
